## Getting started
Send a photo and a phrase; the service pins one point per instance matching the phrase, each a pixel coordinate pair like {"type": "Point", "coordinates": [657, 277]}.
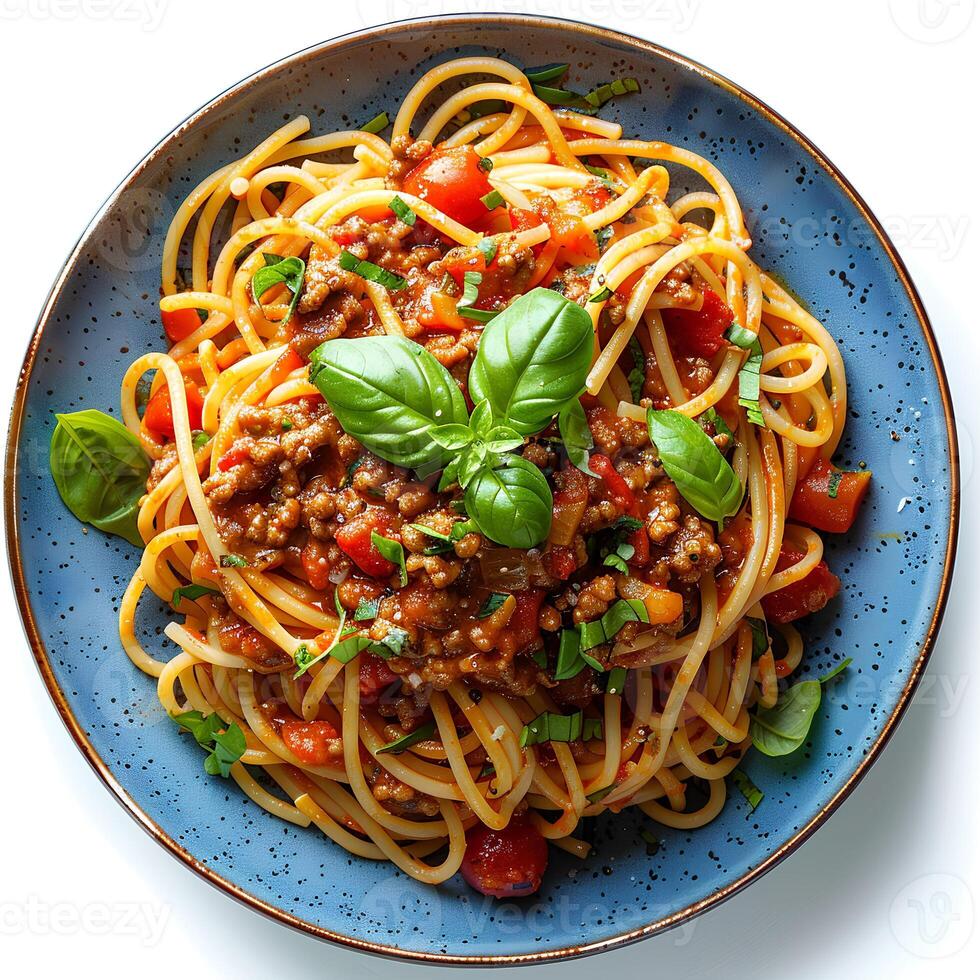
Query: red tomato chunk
{"type": "Point", "coordinates": [801, 598]}
{"type": "Point", "coordinates": [506, 863]}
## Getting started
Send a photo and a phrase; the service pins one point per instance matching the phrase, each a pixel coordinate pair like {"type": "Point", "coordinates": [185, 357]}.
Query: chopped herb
{"type": "Point", "coordinates": [391, 645]}
{"type": "Point", "coordinates": [600, 794]}
{"type": "Point", "coordinates": [616, 681]}
{"type": "Point", "coordinates": [233, 561]}
{"type": "Point", "coordinates": [200, 440]}
{"type": "Point", "coordinates": [492, 200]}
{"type": "Point", "coordinates": [488, 770]}
{"type": "Point", "coordinates": [379, 122]}
{"type": "Point", "coordinates": [485, 164]}
{"type": "Point", "coordinates": [488, 248]}
{"type": "Point", "coordinates": [601, 295]}
{"type": "Point", "coordinates": [712, 417]}
{"type": "Point", "coordinates": [833, 484]}
{"type": "Point", "coordinates": [192, 591]}
{"type": "Point", "coordinates": [550, 727]}
{"type": "Point", "coordinates": [603, 175]}
{"type": "Point", "coordinates": [748, 789]}
{"type": "Point", "coordinates": [570, 663]}
{"type": "Point", "coordinates": [225, 742]}
{"type": "Point", "coordinates": [402, 211]}
{"type": "Point", "coordinates": [604, 630]}
{"type": "Point", "coordinates": [603, 236]}
{"type": "Point", "coordinates": [348, 647]}
{"type": "Point", "coordinates": [638, 375]}
{"type": "Point", "coordinates": [352, 469]}
{"type": "Point", "coordinates": [394, 552]}
{"type": "Point", "coordinates": [486, 107]}
{"type": "Point", "coordinates": [749, 375]}
{"type": "Point", "coordinates": [559, 96]}
{"type": "Point", "coordinates": [286, 424]}
{"type": "Point", "coordinates": [603, 93]}
{"type": "Point", "coordinates": [546, 73]}
{"type": "Point", "coordinates": [471, 288]}
{"type": "Point", "coordinates": [420, 734]}
{"type": "Point", "coordinates": [370, 271]}
{"type": "Point", "coordinates": [366, 609]}
{"type": "Point", "coordinates": [493, 602]}
{"type": "Point", "coordinates": [760, 636]}
{"type": "Point", "coordinates": [617, 559]}
{"type": "Point", "coordinates": [652, 843]}
{"type": "Point", "coordinates": [540, 658]}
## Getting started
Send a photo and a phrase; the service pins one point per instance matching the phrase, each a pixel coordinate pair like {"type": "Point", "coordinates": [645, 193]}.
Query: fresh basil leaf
{"type": "Point", "coordinates": [570, 663]}
{"type": "Point", "coordinates": [481, 421]}
{"type": "Point", "coordinates": [366, 609]}
{"type": "Point", "coordinates": [452, 436]}
{"type": "Point", "coordinates": [481, 316]}
{"type": "Point", "coordinates": [276, 271]}
{"type": "Point", "coordinates": [389, 393]}
{"type": "Point", "coordinates": [394, 552]}
{"type": "Point", "coordinates": [420, 734]}
{"type": "Point", "coordinates": [712, 417]}
{"type": "Point", "coordinates": [783, 728]}
{"type": "Point", "coordinates": [348, 648]}
{"type": "Point", "coordinates": [378, 123]}
{"type": "Point", "coordinates": [511, 505]}
{"type": "Point", "coordinates": [471, 288]}
{"type": "Point", "coordinates": [232, 560]}
{"type": "Point", "coordinates": [200, 440]}
{"type": "Point", "coordinates": [551, 727]}
{"type": "Point", "coordinates": [532, 359]}
{"type": "Point", "coordinates": [750, 373]}
{"type": "Point", "coordinates": [576, 435]}
{"type": "Point", "coordinates": [560, 96]}
{"type": "Point", "coordinates": [502, 439]}
{"type": "Point", "coordinates": [100, 470]}
{"type": "Point", "coordinates": [493, 602]}
{"type": "Point", "coordinates": [371, 271]}
{"type": "Point", "coordinates": [601, 295]}
{"type": "Point", "coordinates": [704, 478]}
{"type": "Point", "coordinates": [602, 237]}
{"type": "Point", "coordinates": [402, 211]}
{"type": "Point", "coordinates": [600, 794]}
{"type": "Point", "coordinates": [450, 475]}
{"type": "Point", "coordinates": [747, 788]}
{"type": "Point", "coordinates": [192, 591]}
{"type": "Point", "coordinates": [226, 744]}
{"type": "Point", "coordinates": [470, 463]}
{"type": "Point", "coordinates": [540, 658]}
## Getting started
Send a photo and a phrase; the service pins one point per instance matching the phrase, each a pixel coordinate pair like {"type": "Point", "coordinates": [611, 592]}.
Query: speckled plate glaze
{"type": "Point", "coordinates": [809, 226]}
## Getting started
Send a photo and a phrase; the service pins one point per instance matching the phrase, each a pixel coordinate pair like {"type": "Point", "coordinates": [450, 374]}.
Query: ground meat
{"type": "Point", "coordinates": [594, 599]}
{"type": "Point", "coordinates": [611, 433]}
{"type": "Point", "coordinates": [663, 512]}
{"type": "Point", "coordinates": [325, 277]}
{"type": "Point", "coordinates": [693, 550]}
{"type": "Point", "coordinates": [407, 153]}
{"type": "Point", "coordinates": [161, 467]}
{"type": "Point", "coordinates": [395, 796]}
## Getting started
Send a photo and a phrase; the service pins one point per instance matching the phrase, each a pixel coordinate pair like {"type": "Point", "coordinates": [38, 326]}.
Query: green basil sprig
{"type": "Point", "coordinates": [397, 400]}
{"type": "Point", "coordinates": [225, 743]}
{"type": "Point", "coordinates": [783, 728]}
{"type": "Point", "coordinates": [389, 394]}
{"type": "Point", "coordinates": [704, 478]}
{"type": "Point", "coordinates": [100, 470]}
{"type": "Point", "coordinates": [533, 358]}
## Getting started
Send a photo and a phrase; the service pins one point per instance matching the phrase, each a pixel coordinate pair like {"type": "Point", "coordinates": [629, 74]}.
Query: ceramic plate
{"type": "Point", "coordinates": [809, 226]}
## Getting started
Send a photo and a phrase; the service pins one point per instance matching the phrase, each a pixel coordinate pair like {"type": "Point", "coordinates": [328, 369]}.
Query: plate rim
{"type": "Point", "coordinates": [130, 805]}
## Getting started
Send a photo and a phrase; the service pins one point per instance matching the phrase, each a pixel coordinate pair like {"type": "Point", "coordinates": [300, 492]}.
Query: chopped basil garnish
{"type": "Point", "coordinates": [616, 681]}
{"type": "Point", "coordinates": [226, 743]}
{"type": "Point", "coordinates": [601, 295]}
{"type": "Point", "coordinates": [420, 734]}
{"type": "Point", "coordinates": [192, 591]}
{"type": "Point", "coordinates": [603, 93]}
{"type": "Point", "coordinates": [200, 440]}
{"type": "Point", "coordinates": [831, 674]}
{"type": "Point", "coordinates": [638, 374]}
{"type": "Point", "coordinates": [394, 552]}
{"type": "Point", "coordinates": [488, 248]}
{"type": "Point", "coordinates": [402, 211]}
{"type": "Point", "coordinates": [379, 122]}
{"type": "Point", "coordinates": [493, 602]}
{"type": "Point", "coordinates": [233, 561]}
{"type": "Point", "coordinates": [546, 73]}
{"type": "Point", "coordinates": [600, 794]}
{"type": "Point", "coordinates": [485, 164]}
{"type": "Point", "coordinates": [760, 636]}
{"type": "Point", "coordinates": [366, 609]}
{"type": "Point", "coordinates": [748, 789]}
{"type": "Point", "coordinates": [604, 630]}
{"type": "Point", "coordinates": [833, 484]}
{"type": "Point", "coordinates": [749, 375]}
{"type": "Point", "coordinates": [550, 727]}
{"type": "Point", "coordinates": [492, 200]}
{"type": "Point", "coordinates": [471, 288]}
{"type": "Point", "coordinates": [280, 271]}
{"type": "Point", "coordinates": [370, 271]}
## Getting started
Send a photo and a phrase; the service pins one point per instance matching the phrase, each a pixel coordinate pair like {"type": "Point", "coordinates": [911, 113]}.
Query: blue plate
{"type": "Point", "coordinates": [809, 226]}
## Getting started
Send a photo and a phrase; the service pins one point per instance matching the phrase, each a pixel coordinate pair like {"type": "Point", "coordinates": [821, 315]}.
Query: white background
{"type": "Point", "coordinates": [888, 89]}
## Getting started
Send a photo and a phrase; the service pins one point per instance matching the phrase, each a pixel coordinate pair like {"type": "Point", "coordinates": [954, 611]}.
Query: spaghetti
{"type": "Point", "coordinates": [361, 647]}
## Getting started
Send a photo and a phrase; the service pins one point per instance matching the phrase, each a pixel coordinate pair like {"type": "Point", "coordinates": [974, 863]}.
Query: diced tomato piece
{"type": "Point", "coordinates": [307, 740]}
{"type": "Point", "coordinates": [522, 628]}
{"type": "Point", "coordinates": [617, 488]}
{"type": "Point", "coordinates": [315, 564]}
{"type": "Point", "coordinates": [508, 863]}
{"type": "Point", "coordinates": [828, 498]}
{"type": "Point", "coordinates": [436, 310]}
{"type": "Point", "coordinates": [801, 598]}
{"type": "Point", "coordinates": [567, 230]}
{"type": "Point", "coordinates": [452, 181]}
{"type": "Point", "coordinates": [699, 334]}
{"type": "Point", "coordinates": [158, 416]}
{"type": "Point", "coordinates": [180, 324]}
{"type": "Point", "coordinates": [374, 676]}
{"type": "Point", "coordinates": [354, 539]}
{"type": "Point", "coordinates": [561, 561]}
{"type": "Point", "coordinates": [640, 541]}
{"type": "Point", "coordinates": [238, 453]}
